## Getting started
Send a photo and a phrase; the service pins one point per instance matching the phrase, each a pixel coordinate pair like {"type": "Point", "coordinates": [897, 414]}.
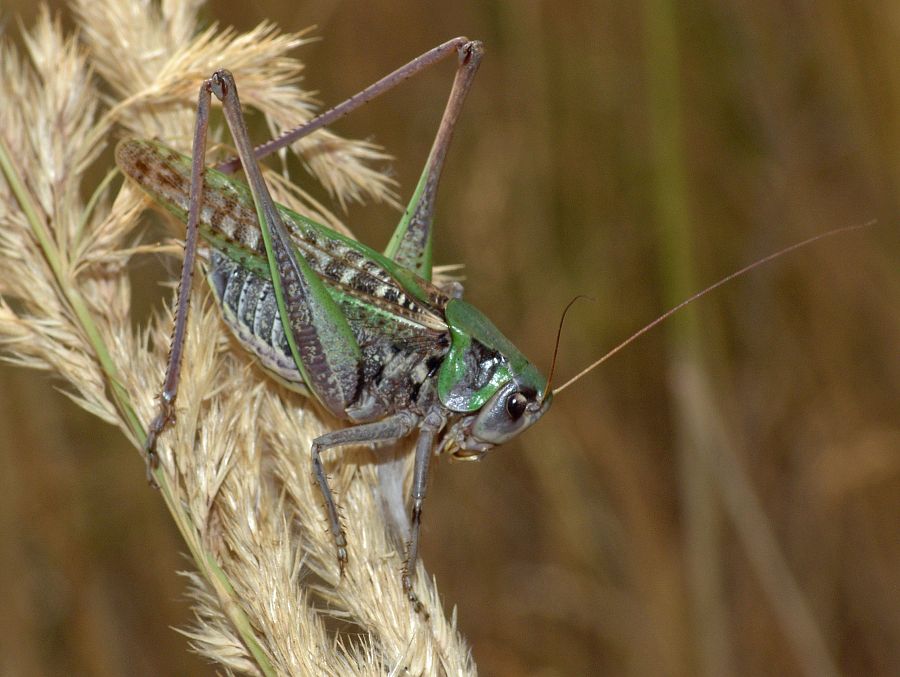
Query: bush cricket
{"type": "Point", "coordinates": [366, 334]}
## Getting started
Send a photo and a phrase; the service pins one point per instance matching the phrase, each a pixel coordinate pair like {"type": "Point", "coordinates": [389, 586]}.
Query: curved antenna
{"type": "Point", "coordinates": [558, 335]}
{"type": "Point", "coordinates": [746, 269]}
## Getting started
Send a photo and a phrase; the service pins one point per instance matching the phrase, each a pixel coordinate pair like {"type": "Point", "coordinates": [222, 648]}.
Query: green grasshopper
{"type": "Point", "coordinates": [367, 334]}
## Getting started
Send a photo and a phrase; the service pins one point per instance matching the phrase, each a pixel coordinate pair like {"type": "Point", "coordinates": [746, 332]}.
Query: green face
{"type": "Point", "coordinates": [484, 375]}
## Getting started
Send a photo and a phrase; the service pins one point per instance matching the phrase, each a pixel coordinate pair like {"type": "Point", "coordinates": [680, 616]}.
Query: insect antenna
{"type": "Point", "coordinates": [562, 319]}
{"type": "Point", "coordinates": [666, 315]}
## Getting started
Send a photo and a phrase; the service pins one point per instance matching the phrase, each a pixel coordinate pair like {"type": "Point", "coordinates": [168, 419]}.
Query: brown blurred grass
{"type": "Point", "coordinates": [724, 495]}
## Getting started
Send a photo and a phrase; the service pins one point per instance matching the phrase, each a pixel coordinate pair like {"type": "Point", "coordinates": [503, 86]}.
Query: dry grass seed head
{"type": "Point", "coordinates": [235, 463]}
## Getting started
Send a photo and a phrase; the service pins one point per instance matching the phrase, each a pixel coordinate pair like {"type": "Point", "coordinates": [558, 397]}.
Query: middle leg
{"type": "Point", "coordinates": [391, 428]}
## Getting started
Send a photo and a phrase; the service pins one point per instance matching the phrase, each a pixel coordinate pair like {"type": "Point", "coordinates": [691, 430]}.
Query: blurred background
{"type": "Point", "coordinates": [723, 497]}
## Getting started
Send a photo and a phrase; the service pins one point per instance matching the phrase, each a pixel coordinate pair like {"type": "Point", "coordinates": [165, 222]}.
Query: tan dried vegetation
{"type": "Point", "coordinates": [234, 469]}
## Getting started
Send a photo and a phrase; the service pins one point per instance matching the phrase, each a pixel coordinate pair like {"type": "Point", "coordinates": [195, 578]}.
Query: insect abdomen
{"type": "Point", "coordinates": [250, 310]}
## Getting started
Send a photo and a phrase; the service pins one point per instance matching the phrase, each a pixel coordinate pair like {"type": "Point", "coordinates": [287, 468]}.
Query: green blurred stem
{"type": "Point", "coordinates": [702, 523]}
{"type": "Point", "coordinates": [709, 457]}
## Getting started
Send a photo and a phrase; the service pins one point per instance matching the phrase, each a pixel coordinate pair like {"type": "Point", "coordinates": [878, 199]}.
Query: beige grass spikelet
{"type": "Point", "coordinates": [235, 467]}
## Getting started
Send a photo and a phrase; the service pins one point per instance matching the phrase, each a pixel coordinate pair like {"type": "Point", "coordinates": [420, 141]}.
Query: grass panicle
{"type": "Point", "coordinates": [234, 468]}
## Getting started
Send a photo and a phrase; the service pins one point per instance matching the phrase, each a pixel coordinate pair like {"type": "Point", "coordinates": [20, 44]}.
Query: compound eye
{"type": "Point", "coordinates": [515, 406]}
